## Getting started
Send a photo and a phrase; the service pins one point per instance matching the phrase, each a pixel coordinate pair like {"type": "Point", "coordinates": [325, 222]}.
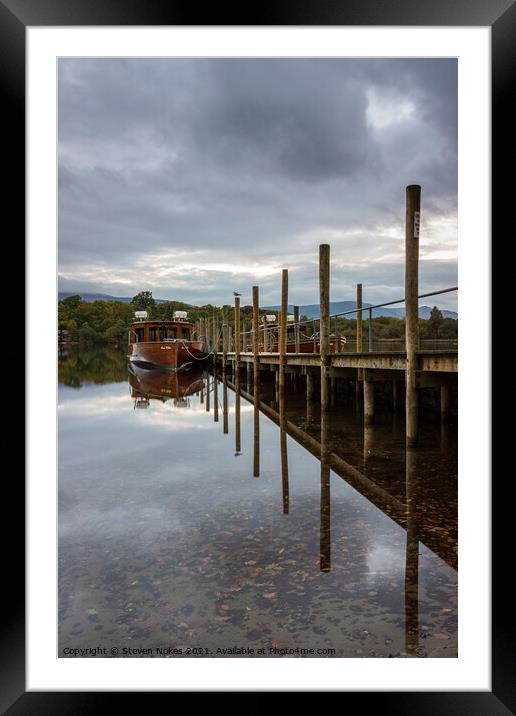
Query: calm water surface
{"type": "Point", "coordinates": [167, 540]}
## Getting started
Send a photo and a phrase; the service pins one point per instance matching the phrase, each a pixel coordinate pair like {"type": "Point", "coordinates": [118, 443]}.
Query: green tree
{"type": "Point", "coordinates": [434, 322]}
{"type": "Point", "coordinates": [72, 302]}
{"type": "Point", "coordinates": [144, 301]}
{"type": "Point", "coordinates": [116, 333]}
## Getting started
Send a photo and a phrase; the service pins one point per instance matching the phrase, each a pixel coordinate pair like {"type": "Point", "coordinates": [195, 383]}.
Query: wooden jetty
{"type": "Point", "coordinates": [412, 368]}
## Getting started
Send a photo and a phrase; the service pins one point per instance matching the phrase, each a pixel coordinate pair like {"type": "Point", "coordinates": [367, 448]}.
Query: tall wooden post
{"type": "Point", "coordinates": [296, 328]}
{"type": "Point", "coordinates": [358, 346]}
{"type": "Point", "coordinates": [359, 318]}
{"type": "Point", "coordinates": [256, 377]}
{"type": "Point", "coordinates": [324, 332]}
{"type": "Point", "coordinates": [215, 381]}
{"type": "Point", "coordinates": [256, 330]}
{"type": "Point", "coordinates": [224, 377]}
{"type": "Point", "coordinates": [237, 334]}
{"type": "Point", "coordinates": [412, 219]}
{"type": "Point", "coordinates": [283, 330]}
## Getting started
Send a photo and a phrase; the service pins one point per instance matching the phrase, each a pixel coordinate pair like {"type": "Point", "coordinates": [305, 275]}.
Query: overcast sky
{"type": "Point", "coordinates": [192, 178]}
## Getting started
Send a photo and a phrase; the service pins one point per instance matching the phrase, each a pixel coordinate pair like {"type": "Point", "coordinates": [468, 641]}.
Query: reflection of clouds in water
{"type": "Point", "coordinates": [387, 558]}
{"type": "Point", "coordinates": [108, 402]}
{"type": "Point", "coordinates": [126, 479]}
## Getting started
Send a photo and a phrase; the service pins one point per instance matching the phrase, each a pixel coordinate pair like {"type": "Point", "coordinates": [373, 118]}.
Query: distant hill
{"type": "Point", "coordinates": [312, 310]}
{"type": "Point", "coordinates": [90, 297]}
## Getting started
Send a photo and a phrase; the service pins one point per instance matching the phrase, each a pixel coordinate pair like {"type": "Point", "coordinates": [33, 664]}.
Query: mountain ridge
{"type": "Point", "coordinates": [308, 310]}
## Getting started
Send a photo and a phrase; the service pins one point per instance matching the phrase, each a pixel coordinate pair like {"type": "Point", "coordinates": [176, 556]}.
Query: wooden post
{"type": "Point", "coordinates": [237, 334]}
{"type": "Point", "coordinates": [359, 319]}
{"type": "Point", "coordinates": [283, 330]}
{"type": "Point", "coordinates": [256, 330]}
{"type": "Point", "coordinates": [412, 219]}
{"type": "Point", "coordinates": [296, 328]}
{"type": "Point", "coordinates": [324, 323]}
{"type": "Point", "coordinates": [215, 381]}
{"type": "Point", "coordinates": [256, 377]}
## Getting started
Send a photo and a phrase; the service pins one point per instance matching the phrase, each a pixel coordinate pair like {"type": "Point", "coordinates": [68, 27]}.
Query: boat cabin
{"type": "Point", "coordinates": [144, 331]}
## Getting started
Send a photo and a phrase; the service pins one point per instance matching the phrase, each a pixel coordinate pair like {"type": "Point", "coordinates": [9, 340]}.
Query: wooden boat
{"type": "Point", "coordinates": [308, 342]}
{"type": "Point", "coordinates": [163, 345]}
{"type": "Point", "coordinates": [164, 386]}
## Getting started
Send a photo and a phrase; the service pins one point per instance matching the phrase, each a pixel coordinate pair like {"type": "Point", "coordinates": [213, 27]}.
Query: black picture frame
{"type": "Point", "coordinates": [15, 16]}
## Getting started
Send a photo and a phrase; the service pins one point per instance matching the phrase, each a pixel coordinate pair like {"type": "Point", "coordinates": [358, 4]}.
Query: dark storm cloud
{"type": "Point", "coordinates": [185, 176]}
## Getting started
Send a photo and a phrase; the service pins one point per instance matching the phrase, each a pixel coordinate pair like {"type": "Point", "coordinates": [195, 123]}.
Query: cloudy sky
{"type": "Point", "coordinates": [192, 178]}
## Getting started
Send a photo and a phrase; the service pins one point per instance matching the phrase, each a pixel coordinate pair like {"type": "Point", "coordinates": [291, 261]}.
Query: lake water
{"type": "Point", "coordinates": [168, 540]}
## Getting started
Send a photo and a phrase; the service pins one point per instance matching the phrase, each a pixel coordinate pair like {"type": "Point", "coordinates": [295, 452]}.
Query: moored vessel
{"type": "Point", "coordinates": [163, 345]}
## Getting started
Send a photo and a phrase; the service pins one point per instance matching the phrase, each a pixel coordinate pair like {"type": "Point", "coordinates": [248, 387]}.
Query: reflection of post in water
{"type": "Point", "coordinates": [411, 555]}
{"type": "Point", "coordinates": [237, 414]}
{"type": "Point", "coordinates": [207, 391]}
{"type": "Point", "coordinates": [224, 402]}
{"type": "Point", "coordinates": [284, 455]}
{"type": "Point", "coordinates": [224, 378]}
{"type": "Point", "coordinates": [325, 528]}
{"type": "Point", "coordinates": [215, 397]}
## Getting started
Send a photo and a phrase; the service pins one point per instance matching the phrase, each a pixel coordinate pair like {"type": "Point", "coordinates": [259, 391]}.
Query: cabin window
{"type": "Point", "coordinates": [139, 335]}
{"type": "Point", "coordinates": [167, 333]}
{"type": "Point", "coordinates": [153, 334]}
{"type": "Point", "coordinates": [186, 334]}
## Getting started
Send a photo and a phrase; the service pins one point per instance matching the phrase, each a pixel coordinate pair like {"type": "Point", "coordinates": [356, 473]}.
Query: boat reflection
{"type": "Point", "coordinates": [147, 385]}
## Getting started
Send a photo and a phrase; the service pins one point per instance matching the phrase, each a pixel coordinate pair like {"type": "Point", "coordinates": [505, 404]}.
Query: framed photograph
{"type": "Point", "coordinates": [250, 243]}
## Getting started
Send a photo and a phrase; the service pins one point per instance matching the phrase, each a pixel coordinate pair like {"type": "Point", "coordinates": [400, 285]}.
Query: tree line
{"type": "Point", "coordinates": [107, 322]}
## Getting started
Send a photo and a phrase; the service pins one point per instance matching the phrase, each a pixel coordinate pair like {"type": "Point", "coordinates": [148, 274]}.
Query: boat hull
{"type": "Point", "coordinates": [165, 355]}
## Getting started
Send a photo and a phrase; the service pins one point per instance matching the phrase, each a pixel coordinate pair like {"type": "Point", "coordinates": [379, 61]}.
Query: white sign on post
{"type": "Point", "coordinates": [416, 224]}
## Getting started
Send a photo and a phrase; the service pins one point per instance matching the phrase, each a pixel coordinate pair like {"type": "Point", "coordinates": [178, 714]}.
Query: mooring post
{"type": "Point", "coordinates": [358, 346]}
{"type": "Point", "coordinates": [412, 220]}
{"type": "Point", "coordinates": [296, 328]}
{"type": "Point", "coordinates": [359, 318]}
{"type": "Point", "coordinates": [215, 381]}
{"type": "Point", "coordinates": [256, 331]}
{"type": "Point", "coordinates": [370, 332]}
{"type": "Point", "coordinates": [324, 313]}
{"type": "Point", "coordinates": [283, 330]}
{"type": "Point", "coordinates": [256, 379]}
{"type": "Point", "coordinates": [237, 333]}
